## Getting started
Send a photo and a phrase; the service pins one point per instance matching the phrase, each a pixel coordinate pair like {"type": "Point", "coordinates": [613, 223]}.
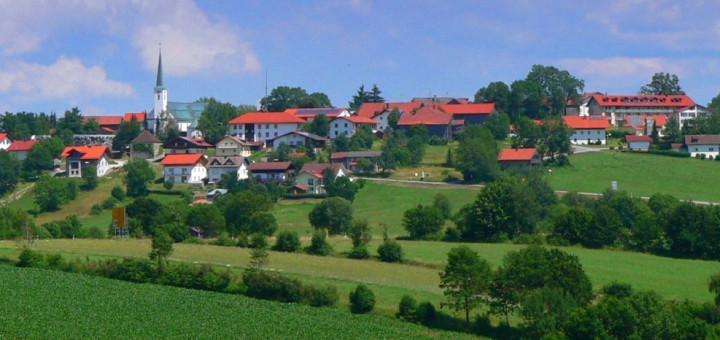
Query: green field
{"type": "Point", "coordinates": [640, 174]}
{"type": "Point", "coordinates": [40, 304]}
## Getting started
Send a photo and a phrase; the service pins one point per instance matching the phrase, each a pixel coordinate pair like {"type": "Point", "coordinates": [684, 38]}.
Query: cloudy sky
{"type": "Point", "coordinates": [101, 56]}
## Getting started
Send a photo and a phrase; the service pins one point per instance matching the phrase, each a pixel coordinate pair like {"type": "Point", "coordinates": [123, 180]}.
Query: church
{"type": "Point", "coordinates": [185, 115]}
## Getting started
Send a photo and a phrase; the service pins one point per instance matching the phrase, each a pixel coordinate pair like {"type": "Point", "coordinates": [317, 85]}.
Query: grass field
{"type": "Point", "coordinates": [640, 174]}
{"type": "Point", "coordinates": [92, 307]}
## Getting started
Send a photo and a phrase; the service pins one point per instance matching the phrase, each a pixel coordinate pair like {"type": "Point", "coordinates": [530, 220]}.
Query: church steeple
{"type": "Point", "coordinates": [159, 80]}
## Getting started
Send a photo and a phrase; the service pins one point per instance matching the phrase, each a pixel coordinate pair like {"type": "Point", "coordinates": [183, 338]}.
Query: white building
{"type": "Point", "coordinates": [232, 146]}
{"type": "Point", "coordinates": [4, 141]}
{"type": "Point", "coordinates": [688, 114]}
{"type": "Point", "coordinates": [587, 130]}
{"type": "Point", "coordinates": [709, 145]}
{"type": "Point", "coordinates": [261, 126]}
{"type": "Point", "coordinates": [218, 166]}
{"type": "Point", "coordinates": [184, 168]}
{"type": "Point", "coordinates": [79, 157]}
{"type": "Point", "coordinates": [348, 125]}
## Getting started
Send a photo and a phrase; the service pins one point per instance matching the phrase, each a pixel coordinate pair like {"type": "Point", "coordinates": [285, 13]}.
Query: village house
{"type": "Point", "coordinates": [518, 157]}
{"type": "Point", "coordinates": [232, 146]}
{"type": "Point", "coordinates": [708, 145]}
{"type": "Point", "coordinates": [687, 115]}
{"type": "Point", "coordinates": [587, 130]}
{"type": "Point", "coordinates": [348, 125]}
{"type": "Point", "coordinates": [470, 113]}
{"type": "Point", "coordinates": [270, 171]}
{"type": "Point", "coordinates": [352, 160]}
{"type": "Point", "coordinates": [638, 143]}
{"type": "Point", "coordinates": [185, 145]}
{"type": "Point", "coordinates": [309, 114]}
{"type": "Point", "coordinates": [145, 146]}
{"type": "Point", "coordinates": [298, 138]}
{"type": "Point", "coordinates": [310, 179]}
{"type": "Point", "coordinates": [5, 141]}
{"type": "Point", "coordinates": [261, 126]}
{"type": "Point", "coordinates": [108, 124]}
{"type": "Point", "coordinates": [438, 123]}
{"type": "Point", "coordinates": [78, 158]}
{"type": "Point", "coordinates": [218, 166]}
{"type": "Point", "coordinates": [616, 107]}
{"type": "Point", "coordinates": [184, 168]}
{"type": "Point", "coordinates": [20, 148]}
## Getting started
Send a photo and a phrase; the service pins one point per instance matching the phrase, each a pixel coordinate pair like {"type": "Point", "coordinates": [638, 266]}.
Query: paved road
{"type": "Point", "coordinates": [582, 149]}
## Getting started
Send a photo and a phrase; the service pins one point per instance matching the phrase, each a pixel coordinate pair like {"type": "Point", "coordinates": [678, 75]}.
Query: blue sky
{"type": "Point", "coordinates": [101, 56]}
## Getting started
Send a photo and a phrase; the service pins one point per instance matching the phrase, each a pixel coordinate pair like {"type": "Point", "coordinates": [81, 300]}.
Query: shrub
{"type": "Point", "coordinates": [319, 244]}
{"type": "Point", "coordinates": [270, 286]}
{"type": "Point", "coordinates": [96, 233]}
{"type": "Point", "coordinates": [258, 240]}
{"type": "Point", "coordinates": [118, 193]}
{"type": "Point", "coordinates": [362, 300]}
{"type": "Point", "coordinates": [96, 209]}
{"type": "Point", "coordinates": [242, 241]}
{"type": "Point", "coordinates": [287, 241]}
{"type": "Point", "coordinates": [390, 251]}
{"type": "Point", "coordinates": [29, 258]}
{"type": "Point", "coordinates": [110, 203]}
{"type": "Point", "coordinates": [425, 313]}
{"type": "Point", "coordinates": [452, 234]}
{"type": "Point", "coordinates": [320, 296]}
{"type": "Point", "coordinates": [407, 308]}
{"type": "Point", "coordinates": [359, 253]}
{"type": "Point", "coordinates": [224, 240]}
{"type": "Point", "coordinates": [168, 185]}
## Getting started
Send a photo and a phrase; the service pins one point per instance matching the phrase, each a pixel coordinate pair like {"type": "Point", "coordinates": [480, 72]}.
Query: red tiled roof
{"type": "Point", "coordinates": [3, 136]}
{"type": "Point", "coordinates": [201, 142]}
{"type": "Point", "coordinates": [371, 109]}
{"type": "Point", "coordinates": [140, 116]}
{"type": "Point", "coordinates": [636, 138]}
{"type": "Point", "coordinates": [89, 153]}
{"type": "Point", "coordinates": [267, 118]}
{"type": "Point", "coordinates": [468, 109]}
{"type": "Point", "coordinates": [359, 120]}
{"type": "Point", "coordinates": [525, 154]}
{"type": "Point", "coordinates": [677, 101]}
{"type": "Point", "coordinates": [21, 145]}
{"type": "Point", "coordinates": [105, 120]}
{"type": "Point", "coordinates": [585, 122]}
{"type": "Point", "coordinates": [278, 166]}
{"type": "Point", "coordinates": [182, 159]}
{"type": "Point", "coordinates": [316, 169]}
{"type": "Point", "coordinates": [425, 116]}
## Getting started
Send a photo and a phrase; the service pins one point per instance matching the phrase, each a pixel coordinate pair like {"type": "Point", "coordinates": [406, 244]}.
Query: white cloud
{"type": "Point", "coordinates": [191, 43]}
{"type": "Point", "coordinates": [66, 79]}
{"type": "Point", "coordinates": [623, 67]}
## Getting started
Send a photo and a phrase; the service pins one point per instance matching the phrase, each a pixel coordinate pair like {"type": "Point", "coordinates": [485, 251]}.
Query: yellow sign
{"type": "Point", "coordinates": [118, 217]}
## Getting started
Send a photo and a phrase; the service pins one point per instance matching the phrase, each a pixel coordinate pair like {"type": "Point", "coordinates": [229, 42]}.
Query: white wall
{"type": "Point", "coordinates": [581, 136]}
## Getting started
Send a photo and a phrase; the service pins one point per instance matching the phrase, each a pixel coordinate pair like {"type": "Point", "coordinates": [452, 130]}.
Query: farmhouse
{"type": "Point", "coordinates": [232, 146]}
{"type": "Point", "coordinates": [310, 178]}
{"type": "Point", "coordinates": [218, 166]}
{"type": "Point", "coordinates": [707, 145]}
{"type": "Point", "coordinates": [184, 168]}
{"type": "Point", "coordinates": [185, 145]}
{"type": "Point", "coordinates": [518, 157]}
{"type": "Point", "coordinates": [145, 146]}
{"type": "Point", "coordinates": [310, 114]}
{"type": "Point", "coordinates": [298, 138]}
{"type": "Point", "coordinates": [587, 130]}
{"type": "Point", "coordinates": [270, 171]}
{"type": "Point", "coordinates": [352, 160]}
{"type": "Point", "coordinates": [20, 148]}
{"type": "Point", "coordinates": [77, 158]}
{"type": "Point", "coordinates": [438, 123]}
{"type": "Point", "coordinates": [687, 115]}
{"type": "Point", "coordinates": [262, 126]}
{"type": "Point", "coordinates": [471, 113]}
{"type": "Point", "coordinates": [4, 141]}
{"type": "Point", "coordinates": [348, 125]}
{"type": "Point", "coordinates": [638, 143]}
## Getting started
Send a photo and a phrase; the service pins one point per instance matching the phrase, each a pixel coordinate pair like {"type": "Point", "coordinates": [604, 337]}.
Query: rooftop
{"type": "Point", "coordinates": [182, 159]}
{"type": "Point", "coordinates": [524, 154]}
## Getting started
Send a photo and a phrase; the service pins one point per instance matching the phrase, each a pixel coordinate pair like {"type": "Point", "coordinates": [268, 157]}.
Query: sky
{"type": "Point", "coordinates": [101, 56]}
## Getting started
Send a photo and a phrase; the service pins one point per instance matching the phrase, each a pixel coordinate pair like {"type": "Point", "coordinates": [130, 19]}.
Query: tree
{"type": "Point", "coordinates": [555, 143]}
{"type": "Point", "coordinates": [672, 131]}
{"type": "Point", "coordinates": [663, 84]}
{"type": "Point", "coordinates": [362, 139]}
{"type": "Point", "coordinates": [239, 206]}
{"type": "Point", "coordinates": [162, 247]}
{"type": "Point", "coordinates": [126, 133]}
{"type": "Point", "coordinates": [359, 98]}
{"type": "Point", "coordinates": [442, 203]}
{"type": "Point", "coordinates": [360, 233]}
{"type": "Point", "coordinates": [339, 187]}
{"type": "Point", "coordinates": [91, 127]}
{"type": "Point", "coordinates": [287, 241]}
{"type": "Point", "coordinates": [526, 99]}
{"type": "Point", "coordinates": [416, 143]}
{"type": "Point", "coordinates": [50, 192]}
{"type": "Point", "coordinates": [476, 155]}
{"type": "Point", "coordinates": [362, 300]}
{"type": "Point", "coordinates": [393, 119]}
{"type": "Point", "coordinates": [319, 126]}
{"type": "Point", "coordinates": [496, 92]}
{"type": "Point", "coordinates": [207, 218]}
{"type": "Point", "coordinates": [374, 95]}
{"type": "Point", "coordinates": [423, 221]}
{"type": "Point", "coordinates": [557, 86]}
{"type": "Point", "coordinates": [283, 97]}
{"type": "Point", "coordinates": [319, 244]}
{"type": "Point", "coordinates": [71, 120]}
{"type": "Point", "coordinates": [139, 174]}
{"type": "Point", "coordinates": [499, 125]}
{"type": "Point", "coordinates": [54, 146]}
{"type": "Point", "coordinates": [262, 222]}
{"type": "Point", "coordinates": [213, 121]}
{"type": "Point", "coordinates": [89, 175]}
{"type": "Point", "coordinates": [465, 280]}
{"type": "Point", "coordinates": [9, 172]}
{"type": "Point", "coordinates": [281, 153]}
{"type": "Point", "coordinates": [333, 214]}
{"type": "Point", "coordinates": [315, 99]}
{"type": "Point", "coordinates": [37, 160]}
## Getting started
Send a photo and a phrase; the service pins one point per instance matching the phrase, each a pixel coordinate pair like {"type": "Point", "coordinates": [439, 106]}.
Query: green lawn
{"type": "Point", "coordinates": [640, 174]}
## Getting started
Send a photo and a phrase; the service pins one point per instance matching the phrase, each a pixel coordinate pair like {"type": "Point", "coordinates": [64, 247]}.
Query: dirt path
{"type": "Point", "coordinates": [15, 195]}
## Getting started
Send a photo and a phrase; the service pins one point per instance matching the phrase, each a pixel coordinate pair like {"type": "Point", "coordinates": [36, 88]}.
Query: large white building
{"type": "Point", "coordinates": [184, 168]}
{"type": "Point", "coordinates": [348, 125]}
{"type": "Point", "coordinates": [261, 126]}
{"type": "Point", "coordinates": [587, 130]}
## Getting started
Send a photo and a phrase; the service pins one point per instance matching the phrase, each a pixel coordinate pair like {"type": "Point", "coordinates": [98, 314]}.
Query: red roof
{"type": "Point", "coordinates": [267, 118]}
{"type": "Point", "coordinates": [269, 166]}
{"type": "Point", "coordinates": [89, 153]}
{"type": "Point", "coordinates": [425, 116]}
{"type": "Point", "coordinates": [316, 169]}
{"type": "Point", "coordinates": [105, 120]}
{"type": "Point", "coordinates": [508, 155]}
{"type": "Point", "coordinates": [636, 138]}
{"type": "Point", "coordinates": [3, 136]}
{"type": "Point", "coordinates": [182, 159]}
{"type": "Point", "coordinates": [468, 109]}
{"type": "Point", "coordinates": [371, 109]}
{"type": "Point", "coordinates": [585, 122]}
{"type": "Point", "coordinates": [359, 120]}
{"type": "Point", "coordinates": [140, 116]}
{"type": "Point", "coordinates": [676, 101]}
{"type": "Point", "coordinates": [21, 145]}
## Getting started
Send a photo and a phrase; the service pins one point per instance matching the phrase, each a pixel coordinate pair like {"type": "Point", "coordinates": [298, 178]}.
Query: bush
{"type": "Point", "coordinates": [359, 253]}
{"type": "Point", "coordinates": [96, 233]}
{"type": "Point", "coordinates": [452, 234]}
{"type": "Point", "coordinates": [29, 258]}
{"type": "Point", "coordinates": [435, 140]}
{"type": "Point", "coordinates": [96, 209]}
{"type": "Point", "coordinates": [168, 185]}
{"type": "Point", "coordinates": [110, 203]}
{"type": "Point", "coordinates": [425, 313]}
{"type": "Point", "coordinates": [242, 241]}
{"type": "Point", "coordinates": [224, 240]}
{"type": "Point", "coordinates": [287, 241]}
{"type": "Point", "coordinates": [258, 240]}
{"type": "Point", "coordinates": [407, 308]}
{"type": "Point", "coordinates": [203, 277]}
{"type": "Point", "coordinates": [270, 286]}
{"type": "Point", "coordinates": [390, 251]}
{"type": "Point", "coordinates": [319, 244]}
{"type": "Point", "coordinates": [118, 193]}
{"type": "Point", "coordinates": [362, 300]}
{"type": "Point", "coordinates": [320, 296]}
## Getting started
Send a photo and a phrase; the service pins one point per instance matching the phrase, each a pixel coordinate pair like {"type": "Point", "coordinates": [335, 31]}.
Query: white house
{"type": "Point", "coordinates": [709, 145]}
{"type": "Point", "coordinates": [232, 146]}
{"type": "Point", "coordinates": [687, 115]}
{"type": "Point", "coordinates": [638, 143]}
{"type": "Point", "coordinates": [311, 180]}
{"type": "Point", "coordinates": [21, 148]}
{"type": "Point", "coordinates": [348, 125]}
{"type": "Point", "coordinates": [587, 129]}
{"type": "Point", "coordinates": [184, 168]}
{"type": "Point", "coordinates": [261, 126]}
{"type": "Point", "coordinates": [298, 138]}
{"type": "Point", "coordinates": [4, 141]}
{"type": "Point", "coordinates": [79, 157]}
{"type": "Point", "coordinates": [218, 166]}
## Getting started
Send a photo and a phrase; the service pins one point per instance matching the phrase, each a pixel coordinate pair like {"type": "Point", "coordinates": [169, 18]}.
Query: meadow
{"type": "Point", "coordinates": [91, 307]}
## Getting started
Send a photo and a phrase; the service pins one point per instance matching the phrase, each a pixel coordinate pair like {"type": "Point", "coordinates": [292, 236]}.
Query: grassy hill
{"type": "Point", "coordinates": [82, 306]}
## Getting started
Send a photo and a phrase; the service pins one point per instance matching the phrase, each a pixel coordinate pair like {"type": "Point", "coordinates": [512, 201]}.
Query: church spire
{"type": "Point", "coordinates": [159, 81]}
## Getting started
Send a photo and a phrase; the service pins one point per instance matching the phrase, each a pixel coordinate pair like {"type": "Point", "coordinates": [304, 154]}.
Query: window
{"type": "Point", "coordinates": [335, 124]}
{"type": "Point", "coordinates": [311, 182]}
{"type": "Point", "coordinates": [275, 134]}
{"type": "Point", "coordinates": [711, 149]}
{"type": "Point", "coordinates": [267, 134]}
{"type": "Point", "coordinates": [267, 126]}
{"type": "Point", "coordinates": [345, 124]}
{"type": "Point", "coordinates": [276, 126]}
{"type": "Point", "coordinates": [259, 126]}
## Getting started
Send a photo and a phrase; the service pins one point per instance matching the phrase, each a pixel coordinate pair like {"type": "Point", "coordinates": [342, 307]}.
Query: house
{"type": "Point", "coordinates": [438, 123]}
{"type": "Point", "coordinates": [309, 114]}
{"type": "Point", "coordinates": [184, 168]}
{"type": "Point", "coordinates": [471, 113]}
{"type": "Point", "coordinates": [145, 146]}
{"type": "Point", "coordinates": [709, 145]}
{"type": "Point", "coordinates": [638, 143]}
{"type": "Point", "coordinates": [77, 158]}
{"type": "Point", "coordinates": [261, 126]}
{"type": "Point", "coordinates": [518, 157]}
{"type": "Point", "coordinates": [109, 124]}
{"type": "Point", "coordinates": [212, 194]}
{"type": "Point", "coordinates": [352, 160]}
{"type": "Point", "coordinates": [348, 125]}
{"type": "Point", "coordinates": [298, 138]}
{"type": "Point", "coordinates": [686, 116]}
{"type": "Point", "coordinates": [311, 176]}
{"type": "Point", "coordinates": [270, 171]}
{"type": "Point", "coordinates": [218, 166]}
{"type": "Point", "coordinates": [371, 110]}
{"type": "Point", "coordinates": [616, 107]}
{"type": "Point", "coordinates": [440, 100]}
{"type": "Point", "coordinates": [186, 145]}
{"type": "Point", "coordinates": [587, 129]}
{"type": "Point", "coordinates": [232, 146]}
{"type": "Point", "coordinates": [5, 141]}
{"type": "Point", "coordinates": [20, 148]}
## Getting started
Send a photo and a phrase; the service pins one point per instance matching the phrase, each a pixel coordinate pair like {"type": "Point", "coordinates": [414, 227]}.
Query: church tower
{"type": "Point", "coordinates": [161, 98]}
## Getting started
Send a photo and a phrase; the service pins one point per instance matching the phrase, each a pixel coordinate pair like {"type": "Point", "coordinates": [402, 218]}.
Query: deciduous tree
{"type": "Point", "coordinates": [334, 214]}
{"type": "Point", "coordinates": [465, 280]}
{"type": "Point", "coordinates": [139, 174]}
{"type": "Point", "coordinates": [9, 172]}
{"type": "Point", "coordinates": [663, 84]}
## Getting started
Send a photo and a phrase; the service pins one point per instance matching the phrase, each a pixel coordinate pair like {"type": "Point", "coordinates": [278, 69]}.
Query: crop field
{"type": "Point", "coordinates": [92, 307]}
{"type": "Point", "coordinates": [640, 174]}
